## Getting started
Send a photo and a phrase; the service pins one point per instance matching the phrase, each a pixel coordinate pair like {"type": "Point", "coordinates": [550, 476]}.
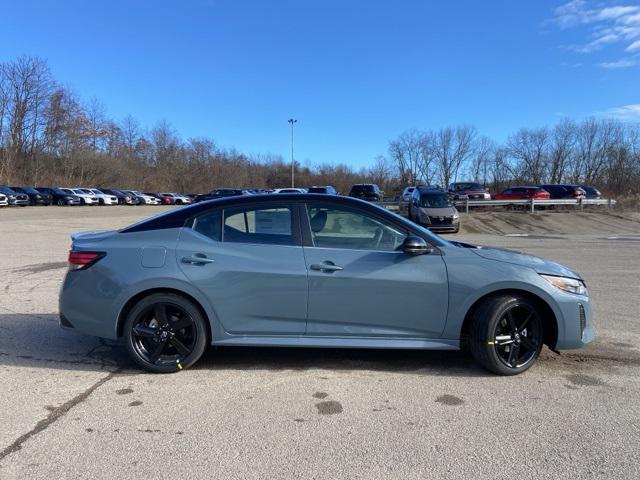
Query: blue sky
{"type": "Point", "coordinates": [354, 73]}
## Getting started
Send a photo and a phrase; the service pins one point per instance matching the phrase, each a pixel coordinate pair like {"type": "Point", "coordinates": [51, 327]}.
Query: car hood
{"type": "Point", "coordinates": [538, 264]}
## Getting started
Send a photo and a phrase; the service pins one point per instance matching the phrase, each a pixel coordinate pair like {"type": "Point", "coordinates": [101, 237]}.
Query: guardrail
{"type": "Point", "coordinates": [526, 204]}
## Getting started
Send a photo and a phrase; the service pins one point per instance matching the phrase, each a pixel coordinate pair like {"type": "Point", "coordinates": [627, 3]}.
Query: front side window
{"type": "Point", "coordinates": [270, 225]}
{"type": "Point", "coordinates": [335, 227]}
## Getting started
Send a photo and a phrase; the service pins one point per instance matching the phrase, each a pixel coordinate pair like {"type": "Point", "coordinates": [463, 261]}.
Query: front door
{"type": "Point", "coordinates": [361, 284]}
{"type": "Point", "coordinates": [249, 263]}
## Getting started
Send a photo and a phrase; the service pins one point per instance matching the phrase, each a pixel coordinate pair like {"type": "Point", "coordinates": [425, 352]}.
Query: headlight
{"type": "Point", "coordinates": [571, 285]}
{"type": "Point", "coordinates": [456, 216]}
{"type": "Point", "coordinates": [68, 198]}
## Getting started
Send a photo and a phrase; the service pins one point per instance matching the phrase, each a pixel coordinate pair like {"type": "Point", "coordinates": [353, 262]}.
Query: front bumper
{"type": "Point", "coordinates": [576, 328]}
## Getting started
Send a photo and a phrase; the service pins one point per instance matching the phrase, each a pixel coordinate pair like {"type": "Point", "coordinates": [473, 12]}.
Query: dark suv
{"type": "Point", "coordinates": [366, 191]}
{"type": "Point", "coordinates": [15, 198]}
{"type": "Point", "coordinates": [564, 191]}
{"type": "Point", "coordinates": [35, 197]}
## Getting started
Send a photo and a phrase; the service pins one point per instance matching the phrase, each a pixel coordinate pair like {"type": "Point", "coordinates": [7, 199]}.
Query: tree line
{"type": "Point", "coordinates": [49, 136]}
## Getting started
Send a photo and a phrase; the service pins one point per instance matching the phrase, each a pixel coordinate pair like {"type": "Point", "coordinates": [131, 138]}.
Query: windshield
{"type": "Point", "coordinates": [434, 200]}
{"type": "Point", "coordinates": [67, 191]}
{"type": "Point", "coordinates": [467, 186]}
{"type": "Point", "coordinates": [6, 190]}
{"type": "Point", "coordinates": [317, 190]}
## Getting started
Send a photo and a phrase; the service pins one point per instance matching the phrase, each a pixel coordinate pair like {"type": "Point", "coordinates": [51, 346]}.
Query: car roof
{"type": "Point", "coordinates": [177, 218]}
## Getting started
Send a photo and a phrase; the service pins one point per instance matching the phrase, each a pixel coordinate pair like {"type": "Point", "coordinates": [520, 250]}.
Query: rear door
{"type": "Point", "coordinates": [248, 261]}
{"type": "Point", "coordinates": [360, 284]}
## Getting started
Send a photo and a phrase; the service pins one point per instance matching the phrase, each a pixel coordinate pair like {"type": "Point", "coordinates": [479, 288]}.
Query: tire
{"type": "Point", "coordinates": [496, 319]}
{"type": "Point", "coordinates": [101, 202]}
{"type": "Point", "coordinates": [144, 335]}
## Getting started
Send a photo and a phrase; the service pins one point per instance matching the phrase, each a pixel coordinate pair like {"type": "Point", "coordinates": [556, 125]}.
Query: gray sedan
{"type": "Point", "coordinates": [303, 270]}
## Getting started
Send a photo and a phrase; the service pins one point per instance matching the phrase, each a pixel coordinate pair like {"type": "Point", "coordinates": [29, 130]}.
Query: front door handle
{"type": "Point", "coordinates": [197, 259]}
{"type": "Point", "coordinates": [325, 267]}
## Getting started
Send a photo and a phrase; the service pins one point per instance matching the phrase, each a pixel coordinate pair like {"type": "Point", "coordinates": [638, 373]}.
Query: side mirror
{"type": "Point", "coordinates": [415, 246]}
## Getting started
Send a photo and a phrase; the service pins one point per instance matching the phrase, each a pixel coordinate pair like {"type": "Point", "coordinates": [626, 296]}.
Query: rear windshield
{"type": "Point", "coordinates": [434, 200]}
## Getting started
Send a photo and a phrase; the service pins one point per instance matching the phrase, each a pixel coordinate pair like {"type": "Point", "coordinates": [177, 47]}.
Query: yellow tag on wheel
{"type": "Point", "coordinates": [491, 343]}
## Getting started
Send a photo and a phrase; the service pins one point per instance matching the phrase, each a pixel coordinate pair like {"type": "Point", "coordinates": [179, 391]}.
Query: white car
{"type": "Point", "coordinates": [85, 198]}
{"type": "Point", "coordinates": [406, 194]}
{"type": "Point", "coordinates": [103, 198]}
{"type": "Point", "coordinates": [289, 190]}
{"type": "Point", "coordinates": [180, 199]}
{"type": "Point", "coordinates": [4, 201]}
{"type": "Point", "coordinates": [145, 199]}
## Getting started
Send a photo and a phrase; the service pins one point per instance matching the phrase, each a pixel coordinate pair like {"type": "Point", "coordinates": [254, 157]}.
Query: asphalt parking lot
{"type": "Point", "coordinates": [75, 407]}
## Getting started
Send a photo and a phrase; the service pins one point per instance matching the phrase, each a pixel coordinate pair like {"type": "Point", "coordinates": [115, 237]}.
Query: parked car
{"type": "Point", "coordinates": [366, 191]}
{"type": "Point", "coordinates": [163, 200]}
{"type": "Point", "coordinates": [123, 198]}
{"type": "Point", "coordinates": [61, 197]}
{"type": "Point", "coordinates": [433, 209]}
{"type": "Point", "coordinates": [320, 271]}
{"type": "Point", "coordinates": [327, 190]}
{"type": "Point", "coordinates": [103, 198]}
{"type": "Point", "coordinates": [35, 197]}
{"type": "Point", "coordinates": [85, 198]}
{"type": "Point", "coordinates": [142, 199]}
{"type": "Point", "coordinates": [4, 201]}
{"type": "Point", "coordinates": [14, 198]}
{"type": "Point", "coordinates": [221, 192]}
{"type": "Point", "coordinates": [470, 190]}
{"type": "Point", "coordinates": [179, 199]}
{"type": "Point", "coordinates": [405, 196]}
{"type": "Point", "coordinates": [564, 191]}
{"type": "Point", "coordinates": [289, 190]}
{"type": "Point", "coordinates": [523, 193]}
{"type": "Point", "coordinates": [591, 192]}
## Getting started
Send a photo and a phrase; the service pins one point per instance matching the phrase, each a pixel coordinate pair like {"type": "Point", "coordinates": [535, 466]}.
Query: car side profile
{"type": "Point", "coordinates": [308, 270]}
{"type": "Point", "coordinates": [523, 193]}
{"type": "Point", "coordinates": [61, 197]}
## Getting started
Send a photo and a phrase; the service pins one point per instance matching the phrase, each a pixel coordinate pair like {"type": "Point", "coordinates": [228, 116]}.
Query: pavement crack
{"type": "Point", "coordinates": [55, 414]}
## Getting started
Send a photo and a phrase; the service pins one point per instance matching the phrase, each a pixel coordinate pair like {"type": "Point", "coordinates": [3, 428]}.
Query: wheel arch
{"type": "Point", "coordinates": [549, 318]}
{"type": "Point", "coordinates": [129, 304]}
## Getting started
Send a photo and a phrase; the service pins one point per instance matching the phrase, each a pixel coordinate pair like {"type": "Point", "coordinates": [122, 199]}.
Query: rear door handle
{"type": "Point", "coordinates": [197, 259]}
{"type": "Point", "coordinates": [325, 267]}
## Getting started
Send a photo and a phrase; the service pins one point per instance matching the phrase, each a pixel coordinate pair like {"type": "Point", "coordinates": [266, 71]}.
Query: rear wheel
{"type": "Point", "coordinates": [506, 334]}
{"type": "Point", "coordinates": [165, 333]}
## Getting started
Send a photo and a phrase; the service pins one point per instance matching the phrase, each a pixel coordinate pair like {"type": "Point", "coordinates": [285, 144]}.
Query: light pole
{"type": "Point", "coordinates": [292, 121]}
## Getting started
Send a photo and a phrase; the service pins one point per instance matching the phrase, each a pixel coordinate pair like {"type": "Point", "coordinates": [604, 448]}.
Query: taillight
{"type": "Point", "coordinates": [83, 260]}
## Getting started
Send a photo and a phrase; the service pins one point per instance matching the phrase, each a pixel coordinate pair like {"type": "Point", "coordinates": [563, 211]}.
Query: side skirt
{"type": "Point", "coordinates": [338, 342]}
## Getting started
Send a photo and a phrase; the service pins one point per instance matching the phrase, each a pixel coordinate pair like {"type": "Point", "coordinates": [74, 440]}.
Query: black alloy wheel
{"type": "Point", "coordinates": [518, 336]}
{"type": "Point", "coordinates": [165, 333]}
{"type": "Point", "coordinates": [506, 334]}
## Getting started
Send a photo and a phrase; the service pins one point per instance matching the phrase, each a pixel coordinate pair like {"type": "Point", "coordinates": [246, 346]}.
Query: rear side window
{"type": "Point", "coordinates": [262, 225]}
{"type": "Point", "coordinates": [209, 225]}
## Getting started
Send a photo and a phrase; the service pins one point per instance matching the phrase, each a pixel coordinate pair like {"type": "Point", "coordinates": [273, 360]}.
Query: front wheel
{"type": "Point", "coordinates": [506, 334]}
{"type": "Point", "coordinates": [165, 333]}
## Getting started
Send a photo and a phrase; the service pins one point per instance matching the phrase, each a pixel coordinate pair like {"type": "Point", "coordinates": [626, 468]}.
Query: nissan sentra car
{"type": "Point", "coordinates": [305, 270]}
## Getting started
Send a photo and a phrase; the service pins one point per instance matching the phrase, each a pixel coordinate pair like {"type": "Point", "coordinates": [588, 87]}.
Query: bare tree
{"type": "Point", "coordinates": [411, 152]}
{"type": "Point", "coordinates": [530, 149]}
{"type": "Point", "coordinates": [452, 149]}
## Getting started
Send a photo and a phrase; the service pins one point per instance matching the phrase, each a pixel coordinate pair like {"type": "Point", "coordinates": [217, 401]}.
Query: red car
{"type": "Point", "coordinates": [523, 193]}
